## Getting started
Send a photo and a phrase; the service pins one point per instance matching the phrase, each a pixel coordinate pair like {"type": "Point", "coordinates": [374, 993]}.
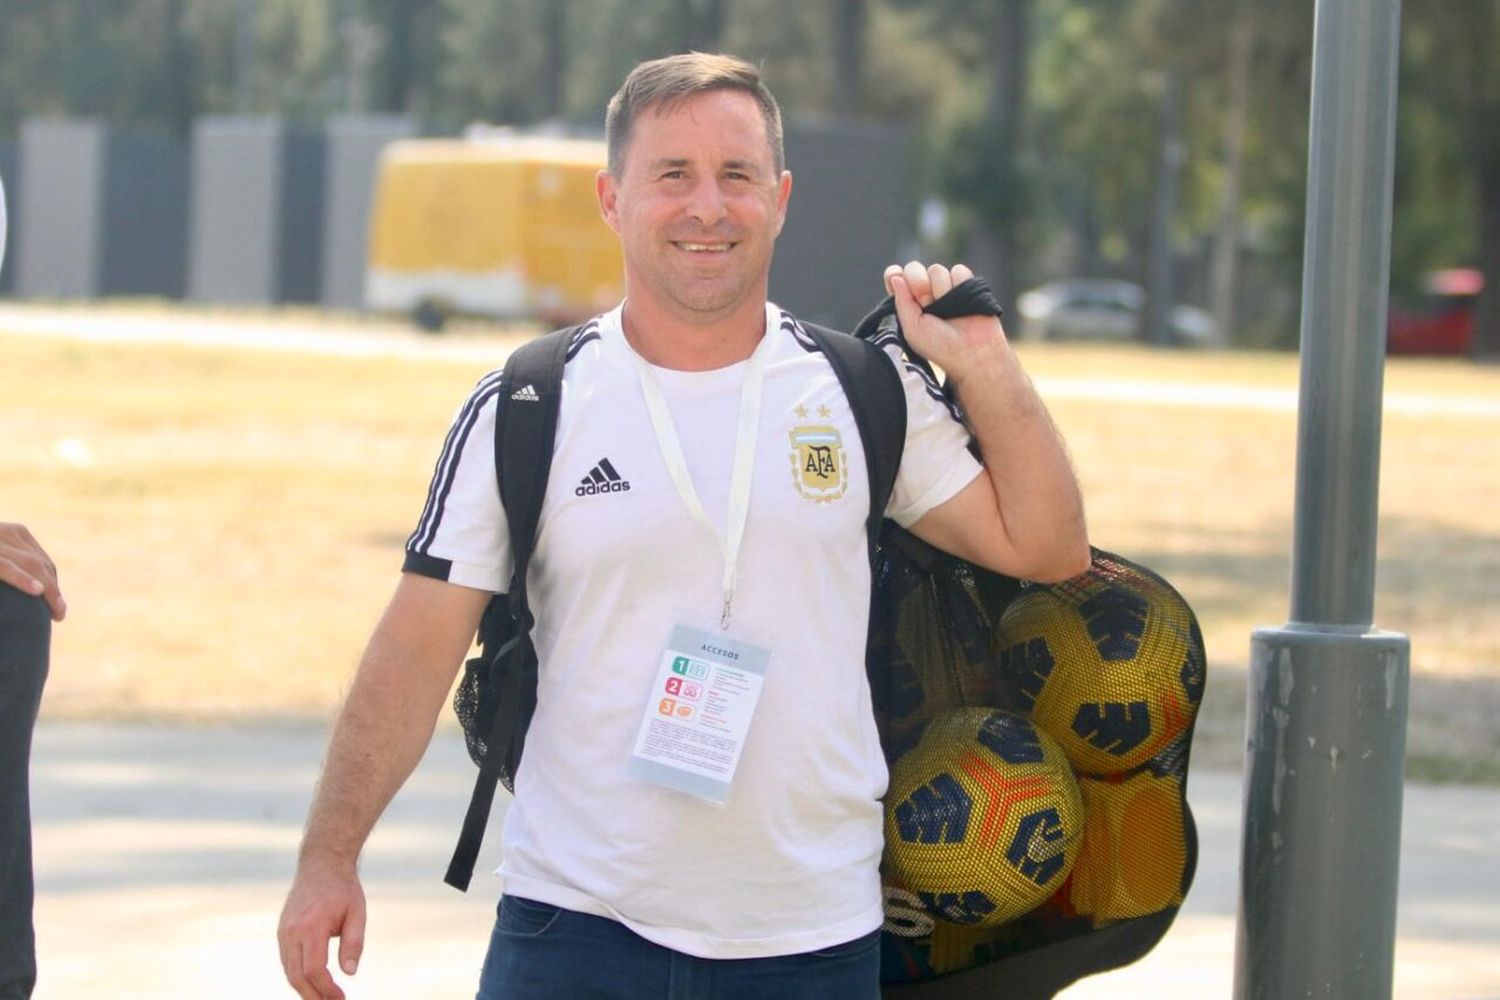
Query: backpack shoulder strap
{"type": "Point", "coordinates": [526, 410]}
{"type": "Point", "coordinates": [527, 407]}
{"type": "Point", "coordinates": [873, 388]}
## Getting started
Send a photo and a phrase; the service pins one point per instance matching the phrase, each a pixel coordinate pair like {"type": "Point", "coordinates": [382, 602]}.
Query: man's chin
{"type": "Point", "coordinates": [709, 304]}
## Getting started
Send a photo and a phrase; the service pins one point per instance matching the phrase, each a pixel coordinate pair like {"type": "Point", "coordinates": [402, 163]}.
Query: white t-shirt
{"type": "Point", "coordinates": [790, 863]}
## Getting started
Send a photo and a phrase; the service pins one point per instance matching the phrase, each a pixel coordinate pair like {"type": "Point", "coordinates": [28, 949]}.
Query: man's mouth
{"type": "Point", "coordinates": [703, 247]}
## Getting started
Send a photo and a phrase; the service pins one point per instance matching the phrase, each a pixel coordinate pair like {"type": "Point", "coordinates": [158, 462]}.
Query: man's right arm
{"type": "Point", "coordinates": [381, 733]}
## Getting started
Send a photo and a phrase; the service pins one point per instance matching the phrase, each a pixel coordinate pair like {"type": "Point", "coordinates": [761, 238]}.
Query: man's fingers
{"type": "Point", "coordinates": [315, 973]}
{"type": "Point", "coordinates": [916, 278]}
{"type": "Point", "coordinates": [927, 282]}
{"type": "Point", "coordinates": [25, 565]}
{"type": "Point", "coordinates": [352, 939]}
{"type": "Point", "coordinates": [303, 943]}
{"type": "Point", "coordinates": [294, 965]}
{"type": "Point", "coordinates": [939, 280]}
{"type": "Point", "coordinates": [891, 272]}
{"type": "Point", "coordinates": [907, 310]}
{"type": "Point", "coordinates": [15, 576]}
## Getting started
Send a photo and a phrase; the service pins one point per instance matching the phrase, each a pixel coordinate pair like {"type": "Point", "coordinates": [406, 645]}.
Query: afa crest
{"type": "Point", "coordinates": [820, 469]}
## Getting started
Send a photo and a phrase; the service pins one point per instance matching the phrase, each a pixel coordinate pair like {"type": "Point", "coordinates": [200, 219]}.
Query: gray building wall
{"type": "Point", "coordinates": [299, 216]}
{"type": "Point", "coordinates": [256, 223]}
{"type": "Point", "coordinates": [61, 200]}
{"type": "Point", "coordinates": [236, 164]}
{"type": "Point", "coordinates": [144, 239]}
{"type": "Point", "coordinates": [851, 214]}
{"type": "Point", "coordinates": [350, 165]}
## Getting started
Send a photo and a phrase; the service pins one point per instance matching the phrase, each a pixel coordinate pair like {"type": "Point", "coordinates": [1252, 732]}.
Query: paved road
{"type": "Point", "coordinates": [163, 853]}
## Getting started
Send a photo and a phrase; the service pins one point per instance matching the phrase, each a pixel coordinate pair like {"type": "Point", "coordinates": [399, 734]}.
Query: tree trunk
{"type": "Point", "coordinates": [1484, 108]}
{"type": "Point", "coordinates": [555, 63]}
{"type": "Point", "coordinates": [1486, 345]}
{"type": "Point", "coordinates": [1226, 246]}
{"type": "Point", "coordinates": [1160, 253]}
{"type": "Point", "coordinates": [702, 23]}
{"type": "Point", "coordinates": [397, 72]}
{"type": "Point", "coordinates": [182, 95]}
{"type": "Point", "coordinates": [850, 18]}
{"type": "Point", "coordinates": [996, 245]}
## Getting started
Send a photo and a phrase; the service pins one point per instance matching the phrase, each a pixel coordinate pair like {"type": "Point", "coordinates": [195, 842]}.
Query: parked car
{"type": "Point", "coordinates": [1442, 320]}
{"type": "Point", "coordinates": [1102, 309]}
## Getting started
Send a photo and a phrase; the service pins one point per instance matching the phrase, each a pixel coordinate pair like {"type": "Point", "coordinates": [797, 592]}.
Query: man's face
{"type": "Point", "coordinates": [697, 206]}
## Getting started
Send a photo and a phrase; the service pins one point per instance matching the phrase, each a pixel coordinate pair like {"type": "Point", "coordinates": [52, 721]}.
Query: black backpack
{"type": "Point", "coordinates": [921, 598]}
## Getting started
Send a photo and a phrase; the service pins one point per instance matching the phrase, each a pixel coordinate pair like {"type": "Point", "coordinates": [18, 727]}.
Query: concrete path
{"type": "Point", "coordinates": [163, 853]}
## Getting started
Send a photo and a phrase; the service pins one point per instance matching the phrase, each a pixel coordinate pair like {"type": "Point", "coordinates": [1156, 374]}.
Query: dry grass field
{"type": "Point", "coordinates": [229, 522]}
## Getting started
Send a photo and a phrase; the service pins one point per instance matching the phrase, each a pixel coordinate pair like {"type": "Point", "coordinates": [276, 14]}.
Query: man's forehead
{"type": "Point", "coordinates": [695, 109]}
{"type": "Point", "coordinates": [670, 131]}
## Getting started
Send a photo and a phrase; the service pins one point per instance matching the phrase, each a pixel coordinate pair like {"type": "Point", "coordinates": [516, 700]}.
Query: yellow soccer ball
{"type": "Point", "coordinates": [1134, 851]}
{"type": "Point", "coordinates": [1109, 666]}
{"type": "Point", "coordinates": [983, 817]}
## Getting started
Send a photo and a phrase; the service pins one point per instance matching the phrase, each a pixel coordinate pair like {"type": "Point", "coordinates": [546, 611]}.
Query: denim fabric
{"type": "Point", "coordinates": [543, 952]}
{"type": "Point", "coordinates": [25, 636]}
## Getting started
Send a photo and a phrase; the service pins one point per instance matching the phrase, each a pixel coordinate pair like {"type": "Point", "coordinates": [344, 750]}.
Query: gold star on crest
{"type": "Point", "coordinates": [824, 412]}
{"type": "Point", "coordinates": [801, 413]}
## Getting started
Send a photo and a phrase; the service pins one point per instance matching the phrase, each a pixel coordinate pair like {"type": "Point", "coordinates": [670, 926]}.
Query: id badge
{"type": "Point", "coordinates": [696, 721]}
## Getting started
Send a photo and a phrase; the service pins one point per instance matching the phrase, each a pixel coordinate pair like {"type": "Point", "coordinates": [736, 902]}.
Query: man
{"type": "Point", "coordinates": [625, 874]}
{"type": "Point", "coordinates": [29, 597]}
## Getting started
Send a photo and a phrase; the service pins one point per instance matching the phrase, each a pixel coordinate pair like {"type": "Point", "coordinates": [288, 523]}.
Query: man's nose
{"type": "Point", "coordinates": [706, 201]}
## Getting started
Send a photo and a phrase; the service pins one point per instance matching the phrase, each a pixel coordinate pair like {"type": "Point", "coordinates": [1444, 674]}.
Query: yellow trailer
{"type": "Point", "coordinates": [501, 226]}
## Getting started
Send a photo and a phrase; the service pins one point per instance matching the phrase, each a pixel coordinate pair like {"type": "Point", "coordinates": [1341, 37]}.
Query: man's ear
{"type": "Point", "coordinates": [783, 195]}
{"type": "Point", "coordinates": [605, 189]}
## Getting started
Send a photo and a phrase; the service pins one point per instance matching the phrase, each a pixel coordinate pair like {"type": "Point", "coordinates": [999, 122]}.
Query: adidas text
{"type": "Point", "coordinates": [526, 393]}
{"type": "Point", "coordinates": [590, 489]}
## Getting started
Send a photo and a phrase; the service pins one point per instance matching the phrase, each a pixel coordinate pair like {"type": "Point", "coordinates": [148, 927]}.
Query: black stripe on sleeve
{"type": "Point", "coordinates": [447, 465]}
{"type": "Point", "coordinates": [423, 564]}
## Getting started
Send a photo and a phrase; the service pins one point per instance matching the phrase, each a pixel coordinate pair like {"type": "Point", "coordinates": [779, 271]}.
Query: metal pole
{"type": "Point", "coordinates": [1327, 706]}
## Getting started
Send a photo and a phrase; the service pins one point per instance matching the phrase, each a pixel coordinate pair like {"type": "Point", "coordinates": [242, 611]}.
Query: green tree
{"type": "Point", "coordinates": [1451, 81]}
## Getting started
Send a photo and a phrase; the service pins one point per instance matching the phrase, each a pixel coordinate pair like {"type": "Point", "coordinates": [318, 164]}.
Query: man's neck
{"type": "Point", "coordinates": [693, 344]}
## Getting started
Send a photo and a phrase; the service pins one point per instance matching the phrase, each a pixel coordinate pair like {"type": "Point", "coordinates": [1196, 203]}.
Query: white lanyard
{"type": "Point", "coordinates": [744, 462]}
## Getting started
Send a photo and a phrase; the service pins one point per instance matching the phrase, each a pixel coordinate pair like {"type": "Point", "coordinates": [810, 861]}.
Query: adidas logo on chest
{"type": "Point", "coordinates": [602, 478]}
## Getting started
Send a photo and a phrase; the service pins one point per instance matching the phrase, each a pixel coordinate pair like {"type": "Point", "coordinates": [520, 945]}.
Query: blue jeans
{"type": "Point", "coordinates": [543, 952]}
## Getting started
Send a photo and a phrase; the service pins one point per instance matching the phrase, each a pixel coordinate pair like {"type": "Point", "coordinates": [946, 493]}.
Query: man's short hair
{"type": "Point", "coordinates": [662, 84]}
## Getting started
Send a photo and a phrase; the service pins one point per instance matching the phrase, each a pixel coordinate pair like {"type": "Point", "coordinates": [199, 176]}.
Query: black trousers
{"type": "Point", "coordinates": [25, 638]}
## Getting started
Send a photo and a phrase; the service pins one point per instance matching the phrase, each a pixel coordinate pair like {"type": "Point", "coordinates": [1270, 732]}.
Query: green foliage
{"type": "Point", "coordinates": [1066, 183]}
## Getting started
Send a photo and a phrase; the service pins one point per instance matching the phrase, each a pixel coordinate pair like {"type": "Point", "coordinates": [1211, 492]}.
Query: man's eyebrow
{"type": "Point", "coordinates": [669, 163]}
{"type": "Point", "coordinates": [744, 167]}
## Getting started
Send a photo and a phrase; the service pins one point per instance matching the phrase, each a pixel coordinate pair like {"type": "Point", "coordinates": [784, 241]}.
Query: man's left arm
{"type": "Point", "coordinates": [1024, 516]}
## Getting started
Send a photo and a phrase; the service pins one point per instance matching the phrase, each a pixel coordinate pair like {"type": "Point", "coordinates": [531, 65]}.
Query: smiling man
{"type": "Point", "coordinates": [724, 575]}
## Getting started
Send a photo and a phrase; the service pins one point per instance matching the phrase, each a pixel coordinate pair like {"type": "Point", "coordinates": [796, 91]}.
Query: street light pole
{"type": "Point", "coordinates": [1328, 691]}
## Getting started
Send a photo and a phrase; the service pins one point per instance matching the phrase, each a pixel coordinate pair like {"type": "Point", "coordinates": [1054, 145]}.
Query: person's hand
{"type": "Point", "coordinates": [954, 345]}
{"type": "Point", "coordinates": [25, 566]}
{"type": "Point", "coordinates": [325, 902]}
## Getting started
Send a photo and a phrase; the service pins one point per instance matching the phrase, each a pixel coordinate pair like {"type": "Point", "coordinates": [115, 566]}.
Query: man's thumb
{"type": "Point", "coordinates": [352, 940]}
